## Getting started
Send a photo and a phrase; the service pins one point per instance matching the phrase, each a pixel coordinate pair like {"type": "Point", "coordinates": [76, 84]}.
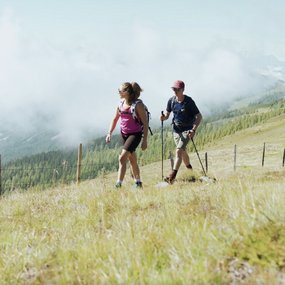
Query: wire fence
{"type": "Point", "coordinates": [16, 177]}
{"type": "Point", "coordinates": [42, 174]}
{"type": "Point", "coordinates": [267, 156]}
{"type": "Point", "coordinates": [12, 178]}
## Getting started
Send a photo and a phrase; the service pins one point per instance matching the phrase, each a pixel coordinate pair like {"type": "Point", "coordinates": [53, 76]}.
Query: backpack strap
{"type": "Point", "coordinates": [173, 102]}
{"type": "Point", "coordinates": [172, 108]}
{"type": "Point", "coordinates": [120, 106]}
{"type": "Point", "coordinates": [121, 109]}
{"type": "Point", "coordinates": [133, 109]}
{"type": "Point", "coordinates": [135, 116]}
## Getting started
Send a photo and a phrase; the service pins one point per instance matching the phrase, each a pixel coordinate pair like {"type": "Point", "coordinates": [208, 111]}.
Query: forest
{"type": "Point", "coordinates": [59, 167]}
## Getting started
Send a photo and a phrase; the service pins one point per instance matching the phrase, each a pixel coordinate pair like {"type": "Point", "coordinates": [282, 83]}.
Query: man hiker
{"type": "Point", "coordinates": [186, 119]}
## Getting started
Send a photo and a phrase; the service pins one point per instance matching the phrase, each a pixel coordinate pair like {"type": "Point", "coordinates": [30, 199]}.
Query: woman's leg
{"type": "Point", "coordinates": [128, 153]}
{"type": "Point", "coordinates": [134, 166]}
{"type": "Point", "coordinates": [123, 158]}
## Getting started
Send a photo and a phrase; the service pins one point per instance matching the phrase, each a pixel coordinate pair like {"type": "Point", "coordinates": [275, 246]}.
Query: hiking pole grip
{"type": "Point", "coordinates": [162, 147]}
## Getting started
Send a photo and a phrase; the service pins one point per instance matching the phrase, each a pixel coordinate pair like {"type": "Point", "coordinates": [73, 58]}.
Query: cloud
{"type": "Point", "coordinates": [38, 80]}
{"type": "Point", "coordinates": [223, 76]}
{"type": "Point", "coordinates": [71, 89]}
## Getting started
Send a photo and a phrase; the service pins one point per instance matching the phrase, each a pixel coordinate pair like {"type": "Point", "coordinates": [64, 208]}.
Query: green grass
{"type": "Point", "coordinates": [175, 235]}
{"type": "Point", "coordinates": [227, 232]}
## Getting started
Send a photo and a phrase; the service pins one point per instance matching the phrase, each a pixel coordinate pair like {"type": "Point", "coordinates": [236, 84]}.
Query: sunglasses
{"type": "Point", "coordinates": [121, 91]}
{"type": "Point", "coordinates": [175, 89]}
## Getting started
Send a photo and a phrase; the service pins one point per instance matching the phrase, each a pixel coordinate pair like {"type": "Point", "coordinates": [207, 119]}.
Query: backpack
{"type": "Point", "coordinates": [134, 114]}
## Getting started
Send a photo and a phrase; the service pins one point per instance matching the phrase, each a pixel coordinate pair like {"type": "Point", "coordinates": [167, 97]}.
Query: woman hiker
{"type": "Point", "coordinates": [134, 128]}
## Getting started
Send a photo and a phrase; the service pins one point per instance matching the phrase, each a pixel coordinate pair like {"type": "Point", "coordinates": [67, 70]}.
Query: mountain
{"type": "Point", "coordinates": [51, 168]}
{"type": "Point", "coordinates": [15, 142]}
{"type": "Point", "coordinates": [270, 67]}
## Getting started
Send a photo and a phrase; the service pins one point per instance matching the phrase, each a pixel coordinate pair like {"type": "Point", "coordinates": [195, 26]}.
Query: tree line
{"type": "Point", "coordinates": [59, 167]}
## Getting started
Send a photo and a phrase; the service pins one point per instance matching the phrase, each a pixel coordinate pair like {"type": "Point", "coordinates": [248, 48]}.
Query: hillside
{"type": "Point", "coordinates": [25, 140]}
{"type": "Point", "coordinates": [59, 167]}
{"type": "Point", "coordinates": [16, 144]}
{"type": "Point", "coordinates": [228, 232]}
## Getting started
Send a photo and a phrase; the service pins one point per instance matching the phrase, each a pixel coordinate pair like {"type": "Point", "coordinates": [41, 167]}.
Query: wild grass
{"type": "Point", "coordinates": [188, 233]}
{"type": "Point", "coordinates": [228, 232]}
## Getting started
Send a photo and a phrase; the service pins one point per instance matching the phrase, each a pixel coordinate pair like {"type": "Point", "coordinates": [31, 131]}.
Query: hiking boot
{"type": "Point", "coordinates": [138, 184]}
{"type": "Point", "coordinates": [170, 178]}
{"type": "Point", "coordinates": [118, 185]}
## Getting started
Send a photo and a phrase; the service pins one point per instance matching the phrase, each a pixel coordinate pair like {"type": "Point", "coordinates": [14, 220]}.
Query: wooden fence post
{"type": "Point", "coordinates": [0, 177]}
{"type": "Point", "coordinates": [206, 161]}
{"type": "Point", "coordinates": [283, 158]}
{"type": "Point", "coordinates": [79, 158]}
{"type": "Point", "coordinates": [263, 155]}
{"type": "Point", "coordinates": [235, 157]}
{"type": "Point", "coordinates": [170, 156]}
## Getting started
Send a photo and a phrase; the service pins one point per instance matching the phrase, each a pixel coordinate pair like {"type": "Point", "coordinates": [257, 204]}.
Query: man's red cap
{"type": "Point", "coordinates": [178, 84]}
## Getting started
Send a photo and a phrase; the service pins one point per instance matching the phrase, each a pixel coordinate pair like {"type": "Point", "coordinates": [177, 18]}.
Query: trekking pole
{"type": "Point", "coordinates": [198, 157]}
{"type": "Point", "coordinates": [162, 147]}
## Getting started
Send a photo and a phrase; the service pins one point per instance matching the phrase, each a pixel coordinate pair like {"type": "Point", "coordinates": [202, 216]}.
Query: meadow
{"type": "Point", "coordinates": [228, 232]}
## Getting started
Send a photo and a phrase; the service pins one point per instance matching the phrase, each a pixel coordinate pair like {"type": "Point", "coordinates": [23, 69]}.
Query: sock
{"type": "Point", "coordinates": [174, 172]}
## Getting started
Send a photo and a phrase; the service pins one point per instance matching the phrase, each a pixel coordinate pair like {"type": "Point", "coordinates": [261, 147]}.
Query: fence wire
{"type": "Point", "coordinates": [43, 177]}
{"type": "Point", "coordinates": [12, 178]}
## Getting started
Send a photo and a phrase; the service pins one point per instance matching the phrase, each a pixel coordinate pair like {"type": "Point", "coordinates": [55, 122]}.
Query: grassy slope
{"type": "Point", "coordinates": [188, 233]}
{"type": "Point", "coordinates": [250, 147]}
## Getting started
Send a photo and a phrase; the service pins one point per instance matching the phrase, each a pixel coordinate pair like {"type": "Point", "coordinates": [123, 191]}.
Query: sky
{"type": "Point", "coordinates": [61, 62]}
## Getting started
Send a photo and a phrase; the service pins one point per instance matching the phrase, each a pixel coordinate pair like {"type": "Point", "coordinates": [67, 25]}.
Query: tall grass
{"type": "Point", "coordinates": [228, 232]}
{"type": "Point", "coordinates": [183, 234]}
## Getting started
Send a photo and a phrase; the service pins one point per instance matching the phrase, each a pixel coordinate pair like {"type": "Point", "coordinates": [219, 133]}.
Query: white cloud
{"type": "Point", "coordinates": [75, 86]}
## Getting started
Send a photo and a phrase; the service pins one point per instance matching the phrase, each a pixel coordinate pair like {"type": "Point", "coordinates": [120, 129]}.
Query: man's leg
{"type": "Point", "coordinates": [178, 158]}
{"type": "Point", "coordinates": [181, 141]}
{"type": "Point", "coordinates": [186, 159]}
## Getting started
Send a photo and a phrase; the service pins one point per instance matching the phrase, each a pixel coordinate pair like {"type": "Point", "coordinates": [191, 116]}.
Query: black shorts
{"type": "Point", "coordinates": [131, 141]}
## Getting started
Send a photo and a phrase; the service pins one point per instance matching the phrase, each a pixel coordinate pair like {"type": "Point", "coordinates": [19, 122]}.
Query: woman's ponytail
{"type": "Point", "coordinates": [137, 89]}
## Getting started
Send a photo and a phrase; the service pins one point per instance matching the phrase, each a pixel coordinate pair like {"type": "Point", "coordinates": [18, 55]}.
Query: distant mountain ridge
{"type": "Point", "coordinates": [50, 168]}
{"type": "Point", "coordinates": [14, 144]}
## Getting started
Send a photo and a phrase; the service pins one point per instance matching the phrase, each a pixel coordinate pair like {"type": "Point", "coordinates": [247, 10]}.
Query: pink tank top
{"type": "Point", "coordinates": [128, 124]}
